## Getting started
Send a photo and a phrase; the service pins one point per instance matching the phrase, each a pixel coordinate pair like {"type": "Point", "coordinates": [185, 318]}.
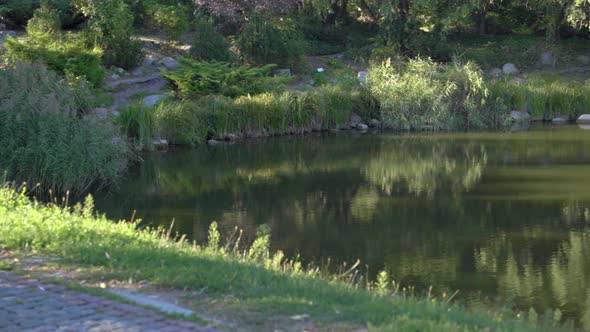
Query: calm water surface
{"type": "Point", "coordinates": [499, 216]}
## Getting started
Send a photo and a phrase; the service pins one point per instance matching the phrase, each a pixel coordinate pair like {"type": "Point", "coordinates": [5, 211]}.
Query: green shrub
{"type": "Point", "coordinates": [138, 122]}
{"type": "Point", "coordinates": [277, 41]}
{"type": "Point", "coordinates": [44, 139]}
{"type": "Point", "coordinates": [193, 79]}
{"type": "Point", "coordinates": [421, 94]}
{"type": "Point", "coordinates": [66, 54]}
{"type": "Point", "coordinates": [209, 44]}
{"type": "Point", "coordinates": [173, 20]}
{"type": "Point", "coordinates": [18, 12]}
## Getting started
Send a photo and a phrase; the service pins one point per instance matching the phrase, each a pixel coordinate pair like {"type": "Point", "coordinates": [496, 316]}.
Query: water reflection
{"type": "Point", "coordinates": [501, 216]}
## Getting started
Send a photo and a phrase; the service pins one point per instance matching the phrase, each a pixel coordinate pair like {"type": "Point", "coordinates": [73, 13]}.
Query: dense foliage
{"type": "Point", "coordinates": [46, 138]}
{"type": "Point", "coordinates": [208, 43]}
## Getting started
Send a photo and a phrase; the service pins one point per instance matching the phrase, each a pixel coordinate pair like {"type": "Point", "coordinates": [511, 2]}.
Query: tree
{"type": "Point", "coordinates": [241, 10]}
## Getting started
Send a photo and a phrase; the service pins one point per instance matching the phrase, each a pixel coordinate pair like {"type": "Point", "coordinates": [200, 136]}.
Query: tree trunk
{"type": "Point", "coordinates": [368, 11]}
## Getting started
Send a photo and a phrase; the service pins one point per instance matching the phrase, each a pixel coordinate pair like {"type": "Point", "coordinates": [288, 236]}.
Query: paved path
{"type": "Point", "coordinates": [28, 305]}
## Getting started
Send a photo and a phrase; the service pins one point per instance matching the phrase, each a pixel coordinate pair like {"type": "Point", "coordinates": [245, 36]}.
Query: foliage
{"type": "Point", "coordinates": [272, 41]}
{"type": "Point", "coordinates": [262, 280]}
{"type": "Point", "coordinates": [180, 123]}
{"type": "Point", "coordinates": [421, 94]}
{"type": "Point", "coordinates": [17, 12]}
{"type": "Point", "coordinates": [138, 123]}
{"type": "Point", "coordinates": [193, 79]}
{"type": "Point", "coordinates": [45, 139]}
{"type": "Point", "coordinates": [111, 24]}
{"type": "Point", "coordinates": [208, 44]}
{"type": "Point", "coordinates": [241, 10]}
{"type": "Point", "coordinates": [66, 54]}
{"type": "Point", "coordinates": [173, 20]}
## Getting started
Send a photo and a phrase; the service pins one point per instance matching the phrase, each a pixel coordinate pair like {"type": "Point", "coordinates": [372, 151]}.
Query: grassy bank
{"type": "Point", "coordinates": [257, 280]}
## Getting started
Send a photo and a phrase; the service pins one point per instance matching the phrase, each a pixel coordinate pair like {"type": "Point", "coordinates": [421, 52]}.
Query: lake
{"type": "Point", "coordinates": [501, 217]}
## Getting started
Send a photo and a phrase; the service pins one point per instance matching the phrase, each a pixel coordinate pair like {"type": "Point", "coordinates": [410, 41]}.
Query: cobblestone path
{"type": "Point", "coordinates": [28, 305]}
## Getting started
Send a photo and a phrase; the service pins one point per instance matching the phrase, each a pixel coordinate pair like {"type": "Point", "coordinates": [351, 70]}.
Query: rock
{"type": "Point", "coordinates": [170, 63]}
{"type": "Point", "coordinates": [375, 123]}
{"type": "Point", "coordinates": [320, 70]}
{"type": "Point", "coordinates": [150, 59]}
{"type": "Point", "coordinates": [518, 81]}
{"type": "Point", "coordinates": [583, 59]}
{"type": "Point", "coordinates": [2, 26]}
{"type": "Point", "coordinates": [559, 120]}
{"type": "Point", "coordinates": [119, 70]}
{"type": "Point", "coordinates": [230, 137]}
{"type": "Point", "coordinates": [362, 76]}
{"type": "Point", "coordinates": [584, 126]}
{"type": "Point", "coordinates": [509, 68]}
{"type": "Point", "coordinates": [284, 72]}
{"type": "Point", "coordinates": [160, 143]}
{"type": "Point", "coordinates": [362, 127]}
{"type": "Point", "coordinates": [354, 120]}
{"type": "Point", "coordinates": [520, 116]}
{"type": "Point", "coordinates": [101, 113]}
{"type": "Point", "coordinates": [115, 76]}
{"type": "Point", "coordinates": [548, 59]}
{"type": "Point", "coordinates": [137, 71]}
{"type": "Point", "coordinates": [584, 119]}
{"type": "Point", "coordinates": [213, 142]}
{"type": "Point", "coordinates": [495, 72]}
{"type": "Point", "coordinates": [150, 101]}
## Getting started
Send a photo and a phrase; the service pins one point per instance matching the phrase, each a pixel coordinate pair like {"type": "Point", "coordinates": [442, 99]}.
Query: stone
{"type": "Point", "coordinates": [509, 68]}
{"type": "Point", "coordinates": [230, 137]}
{"type": "Point", "coordinates": [150, 60]}
{"type": "Point", "coordinates": [115, 76]}
{"type": "Point", "coordinates": [518, 81]}
{"type": "Point", "coordinates": [354, 120]}
{"type": "Point", "coordinates": [150, 101]}
{"type": "Point", "coordinates": [559, 120]}
{"type": "Point", "coordinates": [375, 123]}
{"type": "Point", "coordinates": [119, 70]}
{"type": "Point", "coordinates": [584, 126]}
{"type": "Point", "coordinates": [584, 119]}
{"type": "Point", "coordinates": [284, 72]}
{"type": "Point", "coordinates": [2, 26]}
{"type": "Point", "coordinates": [320, 70]}
{"type": "Point", "coordinates": [160, 143]}
{"type": "Point", "coordinates": [101, 113]}
{"type": "Point", "coordinates": [495, 72]}
{"type": "Point", "coordinates": [213, 142]}
{"type": "Point", "coordinates": [170, 63]}
{"type": "Point", "coordinates": [583, 59]}
{"type": "Point", "coordinates": [548, 59]}
{"type": "Point", "coordinates": [520, 116]}
{"type": "Point", "coordinates": [137, 71]}
{"type": "Point", "coordinates": [362, 76]}
{"type": "Point", "coordinates": [362, 127]}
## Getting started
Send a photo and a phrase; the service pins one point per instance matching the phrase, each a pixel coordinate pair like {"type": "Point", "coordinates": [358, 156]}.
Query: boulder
{"type": "Point", "coordinates": [354, 120]}
{"type": "Point", "coordinates": [362, 76]}
{"type": "Point", "coordinates": [495, 72]}
{"type": "Point", "coordinates": [160, 143]}
{"type": "Point", "coordinates": [150, 59]}
{"type": "Point", "coordinates": [6, 34]}
{"type": "Point", "coordinates": [584, 119]}
{"type": "Point", "coordinates": [230, 137]}
{"type": "Point", "coordinates": [284, 72]}
{"type": "Point", "coordinates": [2, 26]}
{"type": "Point", "coordinates": [518, 81]}
{"type": "Point", "coordinates": [150, 101]}
{"type": "Point", "coordinates": [362, 127]}
{"type": "Point", "coordinates": [119, 70]}
{"type": "Point", "coordinates": [583, 59]}
{"type": "Point", "coordinates": [213, 142]}
{"type": "Point", "coordinates": [375, 123]}
{"type": "Point", "coordinates": [137, 71]}
{"type": "Point", "coordinates": [559, 120]}
{"type": "Point", "coordinates": [115, 77]}
{"type": "Point", "coordinates": [170, 63]}
{"type": "Point", "coordinates": [584, 126]}
{"type": "Point", "coordinates": [548, 59]}
{"type": "Point", "coordinates": [520, 116]}
{"type": "Point", "coordinates": [509, 68]}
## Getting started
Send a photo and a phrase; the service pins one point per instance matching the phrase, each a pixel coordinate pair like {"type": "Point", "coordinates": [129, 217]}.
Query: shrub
{"type": "Point", "coordinates": [44, 139]}
{"type": "Point", "coordinates": [180, 123]}
{"type": "Point", "coordinates": [193, 79]}
{"type": "Point", "coordinates": [138, 123]}
{"type": "Point", "coordinates": [209, 44]}
{"type": "Point", "coordinates": [272, 41]}
{"type": "Point", "coordinates": [421, 94]}
{"type": "Point", "coordinates": [66, 54]}
{"type": "Point", "coordinates": [18, 12]}
{"type": "Point", "coordinates": [173, 20]}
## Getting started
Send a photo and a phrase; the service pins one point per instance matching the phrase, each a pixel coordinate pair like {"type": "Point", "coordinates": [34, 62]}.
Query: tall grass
{"type": "Point", "coordinates": [138, 122]}
{"type": "Point", "coordinates": [45, 139]}
{"type": "Point", "coordinates": [261, 280]}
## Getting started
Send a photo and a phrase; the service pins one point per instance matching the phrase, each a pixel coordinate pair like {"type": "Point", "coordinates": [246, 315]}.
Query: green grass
{"type": "Point", "coordinates": [259, 281]}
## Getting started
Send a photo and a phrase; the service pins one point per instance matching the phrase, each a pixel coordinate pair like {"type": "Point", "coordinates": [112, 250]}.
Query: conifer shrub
{"type": "Point", "coordinates": [208, 44]}
{"type": "Point", "coordinates": [172, 20]}
{"type": "Point", "coordinates": [193, 79]}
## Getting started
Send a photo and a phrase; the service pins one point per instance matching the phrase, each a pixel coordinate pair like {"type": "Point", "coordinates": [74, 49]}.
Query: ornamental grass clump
{"type": "Point", "coordinates": [46, 138]}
